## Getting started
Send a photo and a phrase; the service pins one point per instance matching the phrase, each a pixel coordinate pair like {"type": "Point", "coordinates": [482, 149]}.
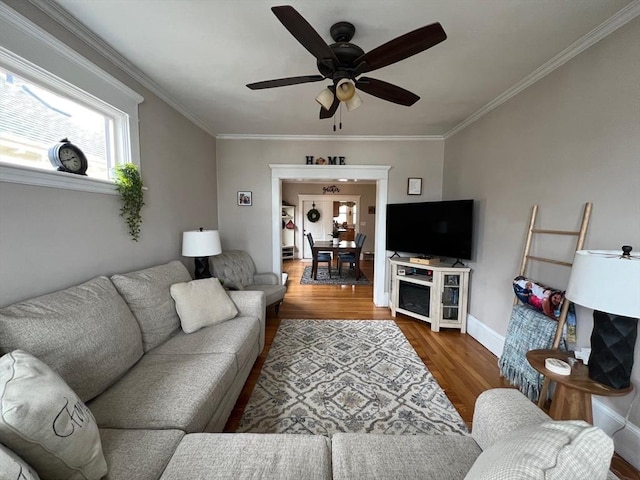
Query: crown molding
{"type": "Point", "coordinates": [622, 17]}
{"type": "Point", "coordinates": [65, 19]}
{"type": "Point", "coordinates": [333, 138]}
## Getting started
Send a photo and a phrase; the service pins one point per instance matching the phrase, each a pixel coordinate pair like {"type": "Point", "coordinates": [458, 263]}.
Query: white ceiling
{"type": "Point", "coordinates": [200, 54]}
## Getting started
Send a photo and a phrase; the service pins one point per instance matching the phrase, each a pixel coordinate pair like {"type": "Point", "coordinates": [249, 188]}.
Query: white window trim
{"type": "Point", "coordinates": [34, 52]}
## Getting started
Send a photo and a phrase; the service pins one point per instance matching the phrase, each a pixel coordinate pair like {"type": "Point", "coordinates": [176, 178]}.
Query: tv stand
{"type": "Point", "coordinates": [436, 294]}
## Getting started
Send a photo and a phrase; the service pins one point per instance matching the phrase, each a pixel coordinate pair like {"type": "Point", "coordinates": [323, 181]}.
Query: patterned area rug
{"type": "Point", "coordinates": [327, 376]}
{"type": "Point", "coordinates": [348, 277]}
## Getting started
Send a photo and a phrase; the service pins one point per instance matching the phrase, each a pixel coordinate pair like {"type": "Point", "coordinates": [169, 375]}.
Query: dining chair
{"type": "Point", "coordinates": [350, 257]}
{"type": "Point", "coordinates": [318, 258]}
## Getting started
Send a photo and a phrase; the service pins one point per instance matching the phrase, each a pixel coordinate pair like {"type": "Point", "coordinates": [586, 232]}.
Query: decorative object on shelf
{"type": "Point", "coordinates": [330, 160]}
{"type": "Point", "coordinates": [68, 158]}
{"type": "Point", "coordinates": [608, 282]}
{"type": "Point", "coordinates": [129, 184]}
{"type": "Point", "coordinates": [201, 244]}
{"type": "Point", "coordinates": [290, 225]}
{"type": "Point", "coordinates": [244, 199]}
{"type": "Point", "coordinates": [330, 189]}
{"type": "Point", "coordinates": [414, 186]}
{"type": "Point", "coordinates": [313, 215]}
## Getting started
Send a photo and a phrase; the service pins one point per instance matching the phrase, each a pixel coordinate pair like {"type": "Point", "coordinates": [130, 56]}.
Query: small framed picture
{"type": "Point", "coordinates": [415, 186]}
{"type": "Point", "coordinates": [244, 199]}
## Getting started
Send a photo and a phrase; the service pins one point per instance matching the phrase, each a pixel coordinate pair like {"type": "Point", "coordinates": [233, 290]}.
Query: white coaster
{"type": "Point", "coordinates": [557, 366]}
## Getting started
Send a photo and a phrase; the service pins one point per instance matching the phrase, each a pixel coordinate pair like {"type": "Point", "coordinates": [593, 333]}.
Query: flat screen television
{"type": "Point", "coordinates": [442, 229]}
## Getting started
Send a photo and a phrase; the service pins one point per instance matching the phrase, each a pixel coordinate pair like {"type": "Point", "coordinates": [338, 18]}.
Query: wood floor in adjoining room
{"type": "Point", "coordinates": [460, 364]}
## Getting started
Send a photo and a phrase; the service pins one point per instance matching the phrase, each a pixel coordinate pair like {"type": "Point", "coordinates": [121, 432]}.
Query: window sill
{"type": "Point", "coordinates": [55, 179]}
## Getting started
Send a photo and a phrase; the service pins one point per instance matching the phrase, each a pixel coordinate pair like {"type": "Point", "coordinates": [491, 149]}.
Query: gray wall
{"type": "Point", "coordinates": [243, 164]}
{"type": "Point", "coordinates": [52, 238]}
{"type": "Point", "coordinates": [571, 138]}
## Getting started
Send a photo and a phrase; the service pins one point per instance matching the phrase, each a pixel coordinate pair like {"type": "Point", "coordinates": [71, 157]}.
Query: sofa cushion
{"type": "Point", "coordinates": [138, 454]}
{"type": "Point", "coordinates": [147, 293]}
{"type": "Point", "coordinates": [357, 456]}
{"type": "Point", "coordinates": [44, 421]}
{"type": "Point", "coordinates": [13, 467]}
{"type": "Point", "coordinates": [202, 303]}
{"type": "Point", "coordinates": [237, 337]}
{"type": "Point", "coordinates": [86, 333]}
{"type": "Point", "coordinates": [562, 450]}
{"type": "Point", "coordinates": [167, 391]}
{"type": "Point", "coordinates": [238, 456]}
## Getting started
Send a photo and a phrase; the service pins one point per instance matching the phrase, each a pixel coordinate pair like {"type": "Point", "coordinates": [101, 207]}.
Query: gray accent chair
{"type": "Point", "coordinates": [238, 272]}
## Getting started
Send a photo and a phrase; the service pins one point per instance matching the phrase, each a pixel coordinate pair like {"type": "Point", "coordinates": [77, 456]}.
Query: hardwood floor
{"type": "Point", "coordinates": [460, 364]}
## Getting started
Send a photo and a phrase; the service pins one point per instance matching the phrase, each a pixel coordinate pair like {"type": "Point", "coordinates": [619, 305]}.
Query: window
{"type": "Point", "coordinates": [347, 214]}
{"type": "Point", "coordinates": [49, 92]}
{"type": "Point", "coordinates": [33, 118]}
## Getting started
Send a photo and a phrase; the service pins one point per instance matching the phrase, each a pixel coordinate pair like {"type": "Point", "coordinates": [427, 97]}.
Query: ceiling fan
{"type": "Point", "coordinates": [343, 62]}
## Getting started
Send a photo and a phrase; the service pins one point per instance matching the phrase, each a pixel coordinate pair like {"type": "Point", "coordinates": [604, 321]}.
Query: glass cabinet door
{"type": "Point", "coordinates": [451, 297]}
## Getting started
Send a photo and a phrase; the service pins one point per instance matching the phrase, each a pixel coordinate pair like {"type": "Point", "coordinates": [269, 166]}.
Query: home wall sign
{"type": "Point", "coordinates": [330, 160]}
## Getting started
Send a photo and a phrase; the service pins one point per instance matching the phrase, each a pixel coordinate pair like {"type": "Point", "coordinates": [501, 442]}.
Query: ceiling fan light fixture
{"type": "Point", "coordinates": [325, 98]}
{"type": "Point", "coordinates": [345, 90]}
{"type": "Point", "coordinates": [354, 102]}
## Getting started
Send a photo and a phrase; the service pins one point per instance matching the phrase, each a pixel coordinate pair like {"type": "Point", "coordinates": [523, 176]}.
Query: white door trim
{"type": "Point", "coordinates": [379, 173]}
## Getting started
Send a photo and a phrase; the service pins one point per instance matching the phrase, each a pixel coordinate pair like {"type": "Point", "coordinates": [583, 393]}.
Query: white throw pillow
{"type": "Point", "coordinates": [13, 467]}
{"type": "Point", "coordinates": [554, 450]}
{"type": "Point", "coordinates": [202, 303]}
{"type": "Point", "coordinates": [44, 422]}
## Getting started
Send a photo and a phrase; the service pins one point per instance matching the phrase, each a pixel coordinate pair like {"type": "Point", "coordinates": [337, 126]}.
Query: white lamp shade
{"type": "Point", "coordinates": [325, 98]}
{"type": "Point", "coordinates": [201, 243]}
{"type": "Point", "coordinates": [345, 90]}
{"type": "Point", "coordinates": [354, 102]}
{"type": "Point", "coordinates": [602, 280]}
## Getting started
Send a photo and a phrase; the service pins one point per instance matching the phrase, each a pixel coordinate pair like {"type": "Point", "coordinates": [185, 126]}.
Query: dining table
{"type": "Point", "coordinates": [341, 247]}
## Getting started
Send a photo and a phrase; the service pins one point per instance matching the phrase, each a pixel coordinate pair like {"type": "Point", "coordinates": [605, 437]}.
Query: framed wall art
{"type": "Point", "coordinates": [244, 199]}
{"type": "Point", "coordinates": [415, 186]}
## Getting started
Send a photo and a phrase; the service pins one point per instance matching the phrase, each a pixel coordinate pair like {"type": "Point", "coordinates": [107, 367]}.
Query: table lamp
{"type": "Point", "coordinates": [608, 282]}
{"type": "Point", "coordinates": [201, 244]}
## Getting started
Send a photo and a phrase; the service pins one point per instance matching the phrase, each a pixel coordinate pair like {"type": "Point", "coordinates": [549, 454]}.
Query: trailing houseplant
{"type": "Point", "coordinates": [129, 185]}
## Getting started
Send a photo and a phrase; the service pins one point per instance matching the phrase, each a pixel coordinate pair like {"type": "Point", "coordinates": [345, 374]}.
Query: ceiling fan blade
{"type": "Point", "coordinates": [305, 33]}
{"type": "Point", "coordinates": [387, 91]}
{"type": "Point", "coordinates": [334, 106]}
{"type": "Point", "coordinates": [283, 82]}
{"type": "Point", "coordinates": [400, 48]}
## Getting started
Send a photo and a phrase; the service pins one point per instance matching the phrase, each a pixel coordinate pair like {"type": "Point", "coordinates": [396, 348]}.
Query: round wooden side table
{"type": "Point", "coordinates": [572, 397]}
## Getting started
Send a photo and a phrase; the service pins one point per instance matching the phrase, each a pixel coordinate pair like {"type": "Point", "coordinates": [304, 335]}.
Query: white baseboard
{"type": "Point", "coordinates": [485, 335]}
{"type": "Point", "coordinates": [626, 441]}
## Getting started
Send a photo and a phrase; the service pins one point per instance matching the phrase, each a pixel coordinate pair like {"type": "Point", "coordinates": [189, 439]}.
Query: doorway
{"type": "Point", "coordinates": [321, 229]}
{"type": "Point", "coordinates": [378, 173]}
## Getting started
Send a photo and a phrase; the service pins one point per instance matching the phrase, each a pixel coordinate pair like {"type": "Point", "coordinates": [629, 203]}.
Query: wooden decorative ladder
{"type": "Point", "coordinates": [526, 257]}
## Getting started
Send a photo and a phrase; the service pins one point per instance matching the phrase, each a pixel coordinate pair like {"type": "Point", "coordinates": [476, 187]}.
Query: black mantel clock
{"type": "Point", "coordinates": [68, 158]}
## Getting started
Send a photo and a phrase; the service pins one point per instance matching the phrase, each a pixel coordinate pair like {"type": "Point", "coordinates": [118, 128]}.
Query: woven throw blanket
{"type": "Point", "coordinates": [528, 329]}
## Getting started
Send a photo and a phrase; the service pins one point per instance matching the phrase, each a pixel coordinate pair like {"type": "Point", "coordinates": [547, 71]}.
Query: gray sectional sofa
{"type": "Point", "coordinates": [158, 395]}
